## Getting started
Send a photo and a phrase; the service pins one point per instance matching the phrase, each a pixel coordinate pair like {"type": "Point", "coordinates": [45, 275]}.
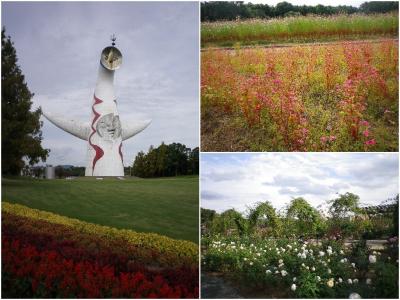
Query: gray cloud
{"type": "Point", "coordinates": [296, 185]}
{"type": "Point", "coordinates": [209, 195]}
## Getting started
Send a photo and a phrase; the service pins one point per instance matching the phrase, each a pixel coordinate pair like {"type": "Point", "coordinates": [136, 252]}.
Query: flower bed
{"type": "Point", "coordinates": [340, 97]}
{"type": "Point", "coordinates": [305, 270]}
{"type": "Point", "coordinates": [45, 255]}
{"type": "Point", "coordinates": [177, 251]}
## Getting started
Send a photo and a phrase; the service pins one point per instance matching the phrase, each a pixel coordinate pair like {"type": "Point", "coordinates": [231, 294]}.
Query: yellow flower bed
{"type": "Point", "coordinates": [182, 251]}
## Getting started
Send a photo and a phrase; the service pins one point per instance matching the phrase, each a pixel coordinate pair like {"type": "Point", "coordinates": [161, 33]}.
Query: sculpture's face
{"type": "Point", "coordinates": [109, 127]}
{"type": "Point", "coordinates": [111, 58]}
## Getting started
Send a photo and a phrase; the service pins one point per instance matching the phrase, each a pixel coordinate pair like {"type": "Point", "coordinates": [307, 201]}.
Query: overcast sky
{"type": "Point", "coordinates": [242, 179]}
{"type": "Point", "coordinates": [59, 45]}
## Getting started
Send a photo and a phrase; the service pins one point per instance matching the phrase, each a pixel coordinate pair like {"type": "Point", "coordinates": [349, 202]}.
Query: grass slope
{"type": "Point", "coordinates": [298, 29]}
{"type": "Point", "coordinates": [167, 206]}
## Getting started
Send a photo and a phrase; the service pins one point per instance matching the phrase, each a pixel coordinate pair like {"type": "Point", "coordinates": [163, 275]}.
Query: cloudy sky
{"type": "Point", "coordinates": [242, 179]}
{"type": "Point", "coordinates": [59, 46]}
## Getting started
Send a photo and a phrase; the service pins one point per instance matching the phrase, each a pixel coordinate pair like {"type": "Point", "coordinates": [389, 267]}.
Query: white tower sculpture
{"type": "Point", "coordinates": [104, 133]}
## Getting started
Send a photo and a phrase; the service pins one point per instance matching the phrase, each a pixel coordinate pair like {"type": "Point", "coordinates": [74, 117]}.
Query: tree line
{"type": "Point", "coordinates": [226, 10]}
{"type": "Point", "coordinates": [167, 160]}
{"type": "Point", "coordinates": [345, 219]}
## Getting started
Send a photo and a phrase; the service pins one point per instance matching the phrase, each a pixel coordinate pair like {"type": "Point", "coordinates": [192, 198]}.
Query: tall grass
{"type": "Point", "coordinates": [294, 29]}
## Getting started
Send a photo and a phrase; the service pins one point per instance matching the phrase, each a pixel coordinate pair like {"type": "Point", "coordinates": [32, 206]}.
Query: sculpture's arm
{"type": "Point", "coordinates": [134, 128]}
{"type": "Point", "coordinates": [77, 128]}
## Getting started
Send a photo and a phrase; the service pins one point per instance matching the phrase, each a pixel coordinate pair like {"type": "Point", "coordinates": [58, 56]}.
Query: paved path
{"type": "Point", "coordinates": [215, 287]}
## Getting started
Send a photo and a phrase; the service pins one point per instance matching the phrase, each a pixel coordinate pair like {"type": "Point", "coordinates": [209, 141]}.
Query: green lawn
{"type": "Point", "coordinates": [168, 206]}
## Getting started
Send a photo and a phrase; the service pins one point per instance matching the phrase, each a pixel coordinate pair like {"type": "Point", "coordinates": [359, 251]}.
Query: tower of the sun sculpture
{"type": "Point", "coordinates": [104, 133]}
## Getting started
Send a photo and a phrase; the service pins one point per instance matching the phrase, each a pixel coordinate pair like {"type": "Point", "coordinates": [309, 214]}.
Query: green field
{"type": "Point", "coordinates": [298, 29]}
{"type": "Point", "coordinates": [167, 206]}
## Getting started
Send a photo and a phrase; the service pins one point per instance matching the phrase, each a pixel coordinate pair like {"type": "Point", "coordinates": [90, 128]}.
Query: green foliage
{"type": "Point", "coordinates": [304, 217]}
{"type": "Point", "coordinates": [20, 127]}
{"type": "Point", "coordinates": [308, 286]}
{"type": "Point", "coordinates": [227, 222]}
{"type": "Point", "coordinates": [344, 205]}
{"type": "Point", "coordinates": [223, 10]}
{"type": "Point", "coordinates": [167, 160]}
{"type": "Point", "coordinates": [263, 216]}
{"type": "Point", "coordinates": [372, 7]}
{"type": "Point", "coordinates": [387, 285]}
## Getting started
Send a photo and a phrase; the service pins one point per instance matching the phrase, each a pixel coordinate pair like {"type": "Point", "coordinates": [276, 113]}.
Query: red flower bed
{"type": "Point", "coordinates": [39, 261]}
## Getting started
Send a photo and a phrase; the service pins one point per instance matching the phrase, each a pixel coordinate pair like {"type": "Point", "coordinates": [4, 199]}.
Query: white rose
{"type": "Point", "coordinates": [354, 296]}
{"type": "Point", "coordinates": [368, 281]}
{"type": "Point", "coordinates": [349, 281]}
{"type": "Point", "coordinates": [321, 253]}
{"type": "Point", "coordinates": [293, 287]}
{"type": "Point", "coordinates": [330, 282]}
{"type": "Point", "coordinates": [372, 259]}
{"type": "Point", "coordinates": [284, 273]}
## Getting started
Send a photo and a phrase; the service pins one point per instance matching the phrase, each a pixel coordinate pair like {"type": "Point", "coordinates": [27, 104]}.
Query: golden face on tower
{"type": "Point", "coordinates": [111, 58]}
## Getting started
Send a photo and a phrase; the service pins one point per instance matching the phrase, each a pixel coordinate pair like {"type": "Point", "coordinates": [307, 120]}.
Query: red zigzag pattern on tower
{"type": "Point", "coordinates": [99, 151]}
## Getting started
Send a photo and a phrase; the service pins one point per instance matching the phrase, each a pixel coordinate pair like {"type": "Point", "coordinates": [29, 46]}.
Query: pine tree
{"type": "Point", "coordinates": [20, 127]}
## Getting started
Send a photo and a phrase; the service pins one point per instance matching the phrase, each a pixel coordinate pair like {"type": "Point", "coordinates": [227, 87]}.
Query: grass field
{"type": "Point", "coordinates": [298, 29]}
{"type": "Point", "coordinates": [334, 97]}
{"type": "Point", "coordinates": [167, 206]}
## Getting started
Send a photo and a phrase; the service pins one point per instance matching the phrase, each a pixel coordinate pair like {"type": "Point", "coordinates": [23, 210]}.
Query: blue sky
{"type": "Point", "coordinates": [238, 180]}
{"type": "Point", "coordinates": [59, 46]}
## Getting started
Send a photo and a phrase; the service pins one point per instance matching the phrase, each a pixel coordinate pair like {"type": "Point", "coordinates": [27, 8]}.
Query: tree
{"type": "Point", "coordinates": [20, 127]}
{"type": "Point", "coordinates": [344, 206]}
{"type": "Point", "coordinates": [379, 6]}
{"type": "Point", "coordinates": [227, 222]}
{"type": "Point", "coordinates": [305, 218]}
{"type": "Point", "coordinates": [167, 160]}
{"type": "Point", "coordinates": [264, 217]}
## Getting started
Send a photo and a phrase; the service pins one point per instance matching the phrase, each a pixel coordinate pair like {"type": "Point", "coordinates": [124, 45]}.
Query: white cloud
{"type": "Point", "coordinates": [242, 179]}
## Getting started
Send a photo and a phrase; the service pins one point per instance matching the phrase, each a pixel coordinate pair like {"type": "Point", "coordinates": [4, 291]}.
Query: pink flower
{"type": "Point", "coordinates": [366, 133]}
{"type": "Point", "coordinates": [324, 139]}
{"type": "Point", "coordinates": [370, 142]}
{"type": "Point", "coordinates": [364, 123]}
{"type": "Point", "coordinates": [332, 138]}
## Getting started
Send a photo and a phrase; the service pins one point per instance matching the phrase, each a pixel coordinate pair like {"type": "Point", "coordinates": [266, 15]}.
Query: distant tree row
{"type": "Point", "coordinates": [346, 219]}
{"type": "Point", "coordinates": [226, 10]}
{"type": "Point", "coordinates": [70, 171]}
{"type": "Point", "coordinates": [167, 160]}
